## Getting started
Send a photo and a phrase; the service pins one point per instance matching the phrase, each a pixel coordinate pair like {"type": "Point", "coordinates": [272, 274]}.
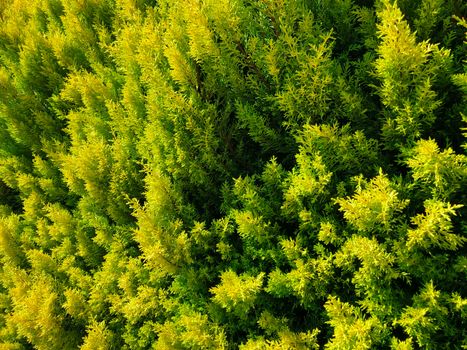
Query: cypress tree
{"type": "Point", "coordinates": [223, 174]}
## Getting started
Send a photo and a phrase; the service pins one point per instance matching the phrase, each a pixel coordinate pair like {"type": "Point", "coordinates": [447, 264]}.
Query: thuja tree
{"type": "Point", "coordinates": [233, 174]}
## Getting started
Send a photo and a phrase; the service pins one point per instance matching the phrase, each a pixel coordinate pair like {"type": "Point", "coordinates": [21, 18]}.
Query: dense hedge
{"type": "Point", "coordinates": [223, 174]}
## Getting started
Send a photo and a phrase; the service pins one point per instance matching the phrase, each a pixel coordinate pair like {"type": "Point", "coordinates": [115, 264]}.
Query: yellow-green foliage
{"type": "Point", "coordinates": [233, 174]}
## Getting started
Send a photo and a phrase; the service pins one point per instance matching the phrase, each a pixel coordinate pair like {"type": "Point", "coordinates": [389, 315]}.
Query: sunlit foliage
{"type": "Point", "coordinates": [233, 174]}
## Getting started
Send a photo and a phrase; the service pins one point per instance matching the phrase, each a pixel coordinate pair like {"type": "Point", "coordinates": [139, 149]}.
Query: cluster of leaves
{"type": "Point", "coordinates": [223, 174]}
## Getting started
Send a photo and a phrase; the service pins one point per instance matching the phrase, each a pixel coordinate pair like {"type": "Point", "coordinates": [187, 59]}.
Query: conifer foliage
{"type": "Point", "coordinates": [233, 174]}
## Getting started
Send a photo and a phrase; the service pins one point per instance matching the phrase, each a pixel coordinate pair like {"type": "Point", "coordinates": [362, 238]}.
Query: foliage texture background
{"type": "Point", "coordinates": [233, 174]}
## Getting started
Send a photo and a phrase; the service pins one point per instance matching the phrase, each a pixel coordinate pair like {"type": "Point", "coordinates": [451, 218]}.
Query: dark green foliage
{"type": "Point", "coordinates": [233, 174]}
